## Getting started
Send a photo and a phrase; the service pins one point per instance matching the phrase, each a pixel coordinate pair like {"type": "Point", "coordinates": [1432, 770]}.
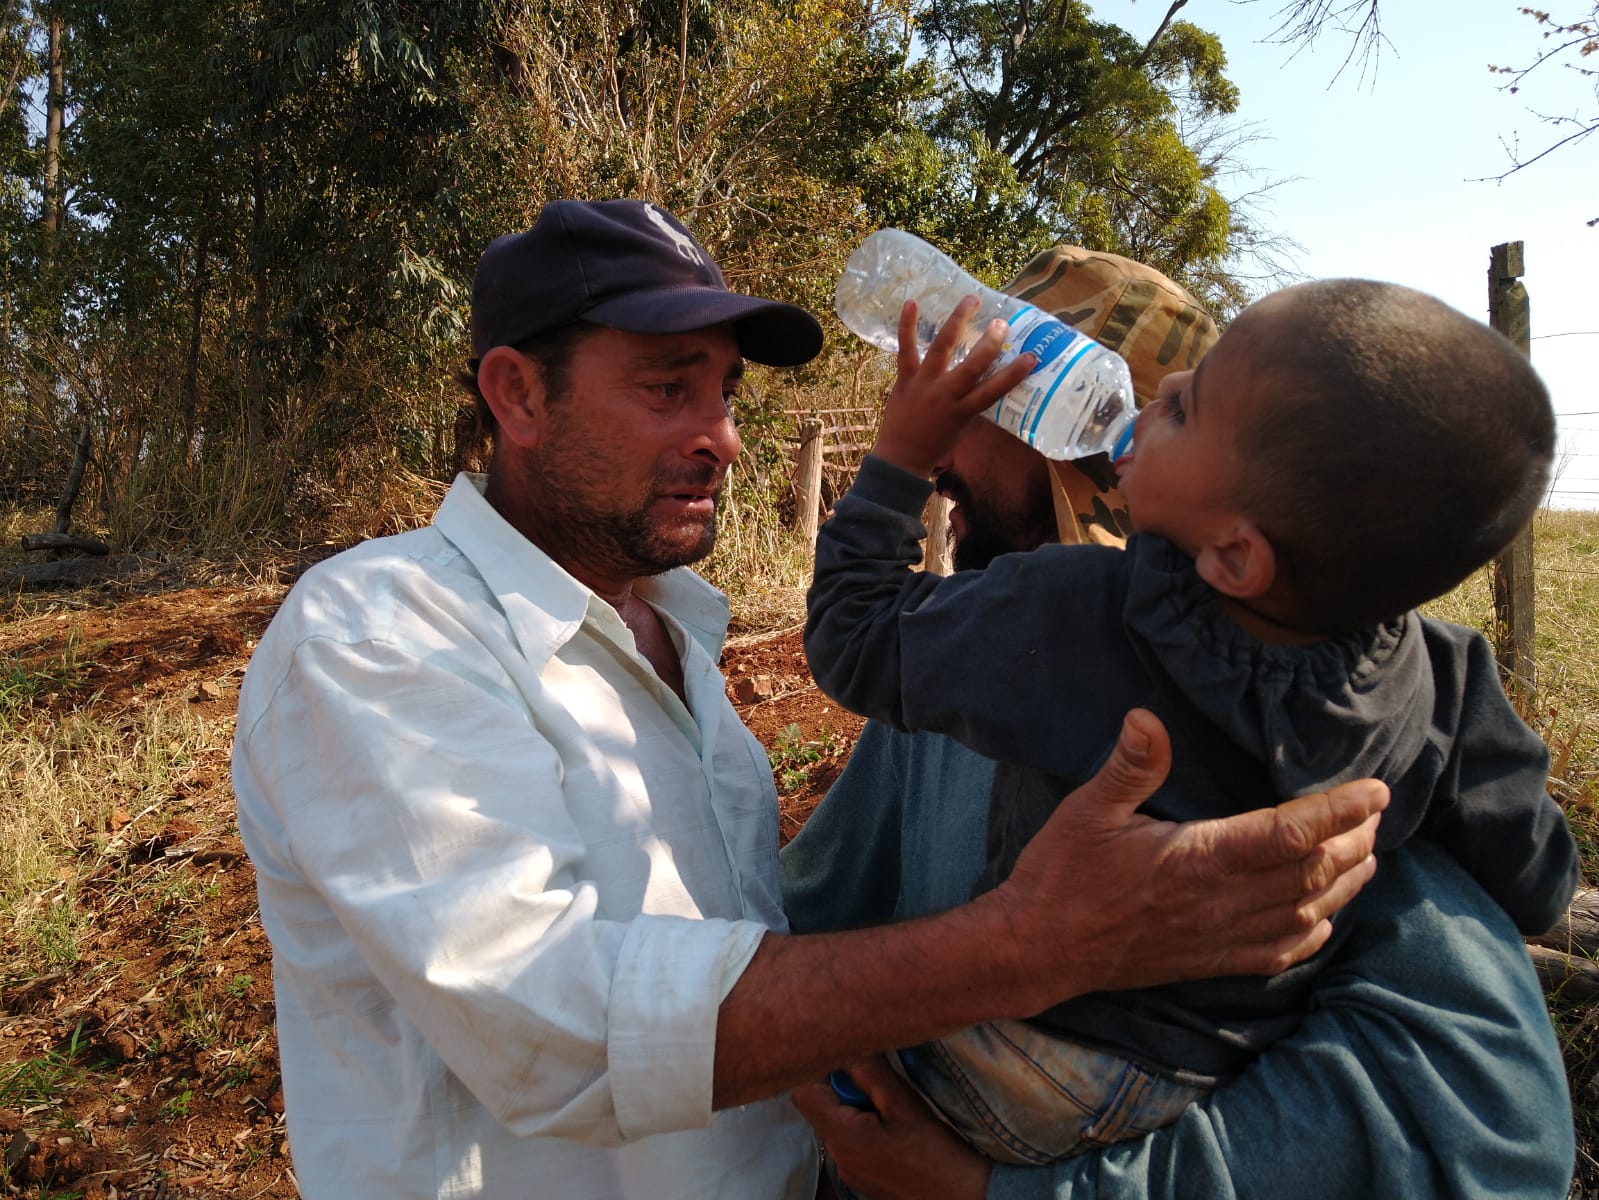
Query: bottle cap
{"type": "Point", "coordinates": [846, 1090]}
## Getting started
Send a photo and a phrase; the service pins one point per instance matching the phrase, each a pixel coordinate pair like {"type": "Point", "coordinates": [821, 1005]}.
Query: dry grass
{"type": "Point", "coordinates": [71, 782]}
{"type": "Point", "coordinates": [762, 565]}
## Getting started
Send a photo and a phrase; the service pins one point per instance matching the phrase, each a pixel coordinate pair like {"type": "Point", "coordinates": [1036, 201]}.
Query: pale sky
{"type": "Point", "coordinates": [1386, 171]}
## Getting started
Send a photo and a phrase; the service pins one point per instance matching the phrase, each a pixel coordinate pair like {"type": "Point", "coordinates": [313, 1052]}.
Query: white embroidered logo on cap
{"type": "Point", "coordinates": [684, 246]}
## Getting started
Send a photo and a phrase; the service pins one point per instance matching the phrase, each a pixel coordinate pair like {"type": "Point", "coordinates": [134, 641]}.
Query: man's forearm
{"type": "Point", "coordinates": [807, 1004]}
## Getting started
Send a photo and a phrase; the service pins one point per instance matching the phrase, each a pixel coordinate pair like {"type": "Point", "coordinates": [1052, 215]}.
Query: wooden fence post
{"type": "Point", "coordinates": [1510, 313]}
{"type": "Point", "coordinates": [808, 478]}
{"type": "Point", "coordinates": [937, 556]}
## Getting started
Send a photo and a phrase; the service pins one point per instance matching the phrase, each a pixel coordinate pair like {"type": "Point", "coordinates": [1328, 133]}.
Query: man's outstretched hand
{"type": "Point", "coordinates": [1118, 900]}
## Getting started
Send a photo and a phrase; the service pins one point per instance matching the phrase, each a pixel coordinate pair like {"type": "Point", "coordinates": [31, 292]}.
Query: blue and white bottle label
{"type": "Point", "coordinates": [1057, 345]}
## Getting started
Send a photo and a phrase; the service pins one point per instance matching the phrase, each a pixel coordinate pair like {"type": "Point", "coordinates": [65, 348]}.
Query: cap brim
{"type": "Point", "coordinates": [769, 331]}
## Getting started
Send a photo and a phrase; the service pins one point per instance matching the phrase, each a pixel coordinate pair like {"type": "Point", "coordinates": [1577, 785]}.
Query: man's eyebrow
{"type": "Point", "coordinates": [688, 358]}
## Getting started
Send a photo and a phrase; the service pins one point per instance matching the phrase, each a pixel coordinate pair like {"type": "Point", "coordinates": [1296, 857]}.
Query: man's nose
{"type": "Point", "coordinates": [946, 461]}
{"type": "Point", "coordinates": [715, 434]}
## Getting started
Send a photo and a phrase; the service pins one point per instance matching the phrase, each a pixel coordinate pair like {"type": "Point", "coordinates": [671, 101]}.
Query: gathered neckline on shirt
{"type": "Point", "coordinates": [1351, 706]}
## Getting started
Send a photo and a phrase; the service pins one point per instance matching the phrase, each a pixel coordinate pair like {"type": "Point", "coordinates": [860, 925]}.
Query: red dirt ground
{"type": "Point", "coordinates": [159, 1040]}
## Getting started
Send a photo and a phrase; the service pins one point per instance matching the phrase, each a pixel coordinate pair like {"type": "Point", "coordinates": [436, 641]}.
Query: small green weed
{"type": "Point", "coordinates": [46, 1079]}
{"type": "Point", "coordinates": [235, 1075]}
{"type": "Point", "coordinates": [51, 932]}
{"type": "Point", "coordinates": [21, 684]}
{"type": "Point", "coordinates": [200, 1023]}
{"type": "Point", "coordinates": [794, 756]}
{"type": "Point", "coordinates": [178, 1107]}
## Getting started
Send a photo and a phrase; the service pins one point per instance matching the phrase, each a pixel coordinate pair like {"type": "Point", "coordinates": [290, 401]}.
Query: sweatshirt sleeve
{"type": "Point", "coordinates": [977, 655]}
{"type": "Point", "coordinates": [1491, 808]}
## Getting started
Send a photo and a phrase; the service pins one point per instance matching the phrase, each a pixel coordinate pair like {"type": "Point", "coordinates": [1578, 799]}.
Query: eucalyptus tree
{"type": "Point", "coordinates": [33, 188]}
{"type": "Point", "coordinates": [1568, 33]}
{"type": "Point", "coordinates": [270, 213]}
{"type": "Point", "coordinates": [772, 127]}
{"type": "Point", "coordinates": [1570, 41]}
{"type": "Point", "coordinates": [1084, 133]}
{"type": "Point", "coordinates": [271, 197]}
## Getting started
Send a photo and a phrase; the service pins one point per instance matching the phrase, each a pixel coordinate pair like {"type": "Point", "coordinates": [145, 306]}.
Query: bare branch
{"type": "Point", "coordinates": [1149, 46]}
{"type": "Point", "coordinates": [1518, 163]}
{"type": "Point", "coordinates": [1301, 22]}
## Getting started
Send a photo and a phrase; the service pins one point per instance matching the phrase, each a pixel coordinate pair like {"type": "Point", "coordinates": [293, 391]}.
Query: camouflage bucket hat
{"type": "Point", "coordinates": [1154, 324]}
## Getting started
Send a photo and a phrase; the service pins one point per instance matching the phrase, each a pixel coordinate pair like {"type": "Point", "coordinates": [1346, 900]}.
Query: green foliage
{"type": "Point", "coordinates": [1069, 130]}
{"type": "Point", "coordinates": [178, 1107]}
{"type": "Point", "coordinates": [22, 683]}
{"type": "Point", "coordinates": [259, 290]}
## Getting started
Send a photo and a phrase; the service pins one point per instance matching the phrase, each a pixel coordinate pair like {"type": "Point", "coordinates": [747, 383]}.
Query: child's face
{"type": "Point", "coordinates": [1179, 477]}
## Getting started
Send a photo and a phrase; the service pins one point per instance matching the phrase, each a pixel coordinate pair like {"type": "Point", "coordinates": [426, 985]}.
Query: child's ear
{"type": "Point", "coordinates": [1240, 563]}
{"type": "Point", "coordinates": [513, 387]}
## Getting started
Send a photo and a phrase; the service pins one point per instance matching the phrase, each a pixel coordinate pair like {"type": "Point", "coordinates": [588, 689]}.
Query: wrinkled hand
{"type": "Point", "coordinates": [1105, 899]}
{"type": "Point", "coordinates": [901, 1151]}
{"type": "Point", "coordinates": [932, 402]}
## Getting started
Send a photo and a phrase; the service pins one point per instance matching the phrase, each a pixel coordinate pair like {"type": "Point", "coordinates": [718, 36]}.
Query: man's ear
{"type": "Point", "coordinates": [1240, 563]}
{"type": "Point", "coordinates": [513, 387]}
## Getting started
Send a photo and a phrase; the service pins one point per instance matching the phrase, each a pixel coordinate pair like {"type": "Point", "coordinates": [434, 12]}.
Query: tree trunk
{"type": "Point", "coordinates": [55, 113]}
{"type": "Point", "coordinates": [1564, 956]}
{"type": "Point", "coordinates": [69, 493]}
{"type": "Point", "coordinates": [72, 572]}
{"type": "Point", "coordinates": [64, 541]}
{"type": "Point", "coordinates": [36, 433]}
{"type": "Point", "coordinates": [255, 384]}
{"type": "Point", "coordinates": [1578, 930]}
{"type": "Point", "coordinates": [191, 367]}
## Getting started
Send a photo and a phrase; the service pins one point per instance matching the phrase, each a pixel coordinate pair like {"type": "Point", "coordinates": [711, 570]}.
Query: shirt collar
{"type": "Point", "coordinates": [543, 602]}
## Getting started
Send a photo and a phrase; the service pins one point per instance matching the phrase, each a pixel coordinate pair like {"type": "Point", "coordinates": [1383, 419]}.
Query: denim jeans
{"type": "Point", "coordinates": [1022, 1094]}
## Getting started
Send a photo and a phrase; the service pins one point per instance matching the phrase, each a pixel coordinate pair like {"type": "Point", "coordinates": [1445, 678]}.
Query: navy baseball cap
{"type": "Point", "coordinates": [628, 265]}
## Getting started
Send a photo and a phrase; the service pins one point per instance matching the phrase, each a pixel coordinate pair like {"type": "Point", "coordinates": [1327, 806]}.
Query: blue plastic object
{"type": "Point", "coordinates": [845, 1089]}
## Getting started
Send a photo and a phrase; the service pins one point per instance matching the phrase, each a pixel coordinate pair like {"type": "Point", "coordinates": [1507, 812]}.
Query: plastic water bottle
{"type": "Point", "coordinates": [1078, 400]}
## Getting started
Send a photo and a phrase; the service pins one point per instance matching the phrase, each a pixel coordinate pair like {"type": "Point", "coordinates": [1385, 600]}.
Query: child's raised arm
{"type": "Point", "coordinates": [932, 401]}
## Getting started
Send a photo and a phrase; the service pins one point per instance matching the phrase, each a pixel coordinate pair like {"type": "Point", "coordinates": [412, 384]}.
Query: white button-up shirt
{"type": "Point", "coordinates": [508, 879]}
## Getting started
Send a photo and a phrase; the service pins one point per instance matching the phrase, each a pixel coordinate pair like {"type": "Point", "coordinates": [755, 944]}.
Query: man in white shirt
{"type": "Point", "coordinates": [517, 856]}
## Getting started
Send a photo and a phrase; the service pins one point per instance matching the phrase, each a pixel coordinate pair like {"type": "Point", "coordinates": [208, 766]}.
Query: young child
{"type": "Point", "coordinates": [1346, 451]}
